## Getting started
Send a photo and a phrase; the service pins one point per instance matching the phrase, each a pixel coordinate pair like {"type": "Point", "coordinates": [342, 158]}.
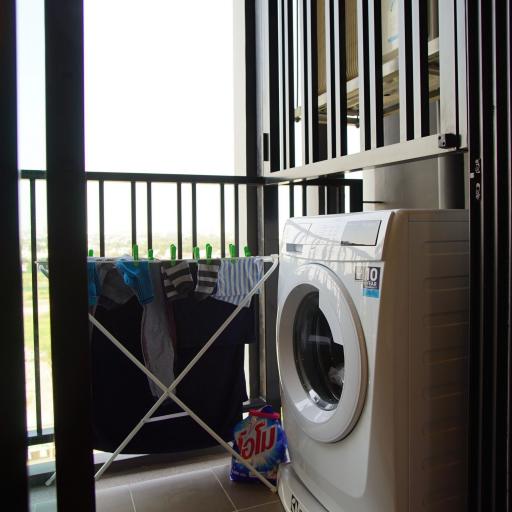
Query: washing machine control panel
{"type": "Point", "coordinates": [337, 237]}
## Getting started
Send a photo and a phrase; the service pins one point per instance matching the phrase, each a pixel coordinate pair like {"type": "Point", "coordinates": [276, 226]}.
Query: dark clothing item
{"type": "Point", "coordinates": [196, 321]}
{"type": "Point", "coordinates": [214, 390]}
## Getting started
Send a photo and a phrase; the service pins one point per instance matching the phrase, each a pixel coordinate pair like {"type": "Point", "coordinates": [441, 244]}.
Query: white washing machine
{"type": "Point", "coordinates": [373, 361]}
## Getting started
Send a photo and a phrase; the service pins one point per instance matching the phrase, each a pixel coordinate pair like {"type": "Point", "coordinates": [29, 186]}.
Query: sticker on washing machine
{"type": "Point", "coordinates": [371, 283]}
{"type": "Point", "coordinates": [295, 505]}
{"type": "Point", "coordinates": [359, 272]}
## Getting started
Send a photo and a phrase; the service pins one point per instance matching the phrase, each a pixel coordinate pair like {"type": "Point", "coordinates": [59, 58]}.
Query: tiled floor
{"type": "Point", "coordinates": [199, 485]}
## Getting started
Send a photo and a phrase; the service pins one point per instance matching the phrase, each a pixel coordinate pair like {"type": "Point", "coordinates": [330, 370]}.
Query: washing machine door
{"type": "Point", "coordinates": [321, 353]}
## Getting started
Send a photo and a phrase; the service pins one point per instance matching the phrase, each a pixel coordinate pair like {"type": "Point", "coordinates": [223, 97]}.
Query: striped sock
{"type": "Point", "coordinates": [206, 278]}
{"type": "Point", "coordinates": [178, 280]}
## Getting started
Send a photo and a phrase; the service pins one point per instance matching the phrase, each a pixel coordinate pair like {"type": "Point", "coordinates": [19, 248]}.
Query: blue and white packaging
{"type": "Point", "coordinates": [259, 439]}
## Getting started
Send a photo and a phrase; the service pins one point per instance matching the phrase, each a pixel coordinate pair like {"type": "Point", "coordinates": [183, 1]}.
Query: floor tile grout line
{"type": "Point", "coordinates": [235, 508]}
{"type": "Point", "coordinates": [254, 507]}
{"type": "Point", "coordinates": [202, 467]}
{"type": "Point", "coordinates": [173, 475]}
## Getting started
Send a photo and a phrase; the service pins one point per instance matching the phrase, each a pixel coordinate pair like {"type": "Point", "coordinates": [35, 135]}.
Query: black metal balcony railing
{"type": "Point", "coordinates": [334, 193]}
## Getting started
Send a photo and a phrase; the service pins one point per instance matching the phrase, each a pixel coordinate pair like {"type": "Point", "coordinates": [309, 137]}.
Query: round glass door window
{"type": "Point", "coordinates": [319, 360]}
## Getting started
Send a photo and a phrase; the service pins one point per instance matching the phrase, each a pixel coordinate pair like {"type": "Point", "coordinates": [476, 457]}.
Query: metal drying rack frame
{"type": "Point", "coordinates": [168, 390]}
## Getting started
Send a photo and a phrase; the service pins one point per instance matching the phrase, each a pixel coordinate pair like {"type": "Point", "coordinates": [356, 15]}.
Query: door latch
{"type": "Point", "coordinates": [476, 176]}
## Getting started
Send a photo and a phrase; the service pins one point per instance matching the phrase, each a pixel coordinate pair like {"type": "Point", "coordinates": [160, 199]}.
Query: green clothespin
{"type": "Point", "coordinates": [150, 254]}
{"type": "Point", "coordinates": [172, 249]}
{"type": "Point", "coordinates": [208, 253]}
{"type": "Point", "coordinates": [90, 253]}
{"type": "Point", "coordinates": [247, 251]}
{"type": "Point", "coordinates": [135, 252]}
{"type": "Point", "coordinates": [196, 253]}
{"type": "Point", "coordinates": [232, 252]}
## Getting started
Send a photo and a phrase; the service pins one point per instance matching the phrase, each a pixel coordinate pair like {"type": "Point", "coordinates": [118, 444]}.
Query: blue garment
{"type": "Point", "coordinates": [93, 283]}
{"type": "Point", "coordinates": [136, 276]}
{"type": "Point", "coordinates": [237, 278]}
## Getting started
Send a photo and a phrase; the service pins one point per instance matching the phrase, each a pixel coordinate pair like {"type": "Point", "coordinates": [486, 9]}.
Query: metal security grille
{"type": "Point", "coordinates": [326, 64]}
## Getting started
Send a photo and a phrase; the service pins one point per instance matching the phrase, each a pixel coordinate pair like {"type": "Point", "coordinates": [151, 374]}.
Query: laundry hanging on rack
{"type": "Point", "coordinates": [114, 291]}
{"type": "Point", "coordinates": [122, 279]}
{"type": "Point", "coordinates": [207, 275]}
{"type": "Point", "coordinates": [136, 276]}
{"type": "Point", "coordinates": [237, 277]}
{"type": "Point", "coordinates": [177, 279]}
{"type": "Point", "coordinates": [170, 392]}
{"type": "Point", "coordinates": [197, 320]}
{"type": "Point", "coordinates": [215, 388]}
{"type": "Point", "coordinates": [156, 337]}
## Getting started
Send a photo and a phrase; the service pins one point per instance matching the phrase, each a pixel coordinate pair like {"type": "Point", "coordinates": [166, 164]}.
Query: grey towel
{"type": "Point", "coordinates": [156, 341]}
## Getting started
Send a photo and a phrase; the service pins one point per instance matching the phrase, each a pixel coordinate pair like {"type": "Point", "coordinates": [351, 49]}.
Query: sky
{"type": "Point", "coordinates": [159, 97]}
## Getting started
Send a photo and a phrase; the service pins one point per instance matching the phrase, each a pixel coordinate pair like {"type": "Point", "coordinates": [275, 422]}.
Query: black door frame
{"type": "Point", "coordinates": [490, 157]}
{"type": "Point", "coordinates": [67, 251]}
{"type": "Point", "coordinates": [12, 358]}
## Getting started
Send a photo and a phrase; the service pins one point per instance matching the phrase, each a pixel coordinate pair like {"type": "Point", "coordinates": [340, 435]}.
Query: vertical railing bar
{"type": "Point", "coordinates": [312, 75]}
{"type": "Point", "coordinates": [406, 92]}
{"type": "Point", "coordinates": [292, 199]}
{"type": "Point", "coordinates": [340, 79]}
{"type": "Point", "coordinates": [274, 92]}
{"type": "Point", "coordinates": [194, 215]}
{"type": "Point", "coordinates": [419, 15]}
{"type": "Point", "coordinates": [364, 74]}
{"type": "Point", "coordinates": [254, 355]}
{"type": "Point", "coordinates": [321, 200]}
{"type": "Point", "coordinates": [330, 76]}
{"type": "Point", "coordinates": [237, 221]}
{"type": "Point", "coordinates": [35, 306]}
{"type": "Point", "coordinates": [134, 212]}
{"type": "Point", "coordinates": [305, 107]}
{"type": "Point", "coordinates": [283, 125]}
{"type": "Point", "coordinates": [179, 219]}
{"type": "Point", "coordinates": [341, 198]}
{"type": "Point", "coordinates": [101, 190]}
{"type": "Point", "coordinates": [149, 205]}
{"type": "Point", "coordinates": [222, 222]}
{"type": "Point", "coordinates": [332, 199]}
{"type": "Point", "coordinates": [356, 196]}
{"type": "Point", "coordinates": [290, 105]}
{"type": "Point", "coordinates": [304, 198]}
{"type": "Point", "coordinates": [376, 85]}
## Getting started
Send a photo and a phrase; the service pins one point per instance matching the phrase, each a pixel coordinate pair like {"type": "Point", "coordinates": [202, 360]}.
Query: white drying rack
{"type": "Point", "coordinates": [168, 390]}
